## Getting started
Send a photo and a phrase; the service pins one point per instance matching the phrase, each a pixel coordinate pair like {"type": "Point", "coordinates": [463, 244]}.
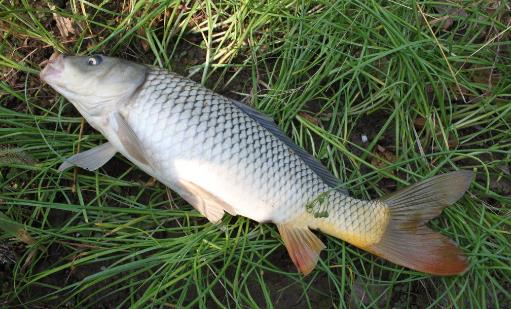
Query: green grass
{"type": "Point", "coordinates": [430, 89]}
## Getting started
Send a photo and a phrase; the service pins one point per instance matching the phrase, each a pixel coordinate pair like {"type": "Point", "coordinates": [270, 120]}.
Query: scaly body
{"type": "Point", "coordinates": [222, 156]}
{"type": "Point", "coordinates": [191, 134]}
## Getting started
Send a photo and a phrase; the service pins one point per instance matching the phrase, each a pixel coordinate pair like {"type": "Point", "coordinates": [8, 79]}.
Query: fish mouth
{"type": "Point", "coordinates": [54, 69]}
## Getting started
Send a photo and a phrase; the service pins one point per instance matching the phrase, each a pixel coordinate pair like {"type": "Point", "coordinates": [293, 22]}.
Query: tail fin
{"type": "Point", "coordinates": [407, 241]}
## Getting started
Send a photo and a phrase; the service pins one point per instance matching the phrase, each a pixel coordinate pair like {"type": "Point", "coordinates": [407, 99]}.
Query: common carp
{"type": "Point", "coordinates": [223, 156]}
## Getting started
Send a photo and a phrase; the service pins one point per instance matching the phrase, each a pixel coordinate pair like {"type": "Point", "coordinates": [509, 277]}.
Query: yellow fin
{"type": "Point", "coordinates": [209, 205]}
{"type": "Point", "coordinates": [302, 245]}
{"type": "Point", "coordinates": [408, 241]}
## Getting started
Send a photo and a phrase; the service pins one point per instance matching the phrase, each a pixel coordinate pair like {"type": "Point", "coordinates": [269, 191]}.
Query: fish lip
{"type": "Point", "coordinates": [54, 69]}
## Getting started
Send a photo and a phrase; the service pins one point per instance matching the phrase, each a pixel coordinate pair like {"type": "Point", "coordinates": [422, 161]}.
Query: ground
{"type": "Point", "coordinates": [383, 93]}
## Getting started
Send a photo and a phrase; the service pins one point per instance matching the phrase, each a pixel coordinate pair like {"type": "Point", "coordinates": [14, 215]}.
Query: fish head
{"type": "Point", "coordinates": [93, 83]}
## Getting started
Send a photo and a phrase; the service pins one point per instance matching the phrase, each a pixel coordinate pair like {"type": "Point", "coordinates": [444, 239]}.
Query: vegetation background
{"type": "Point", "coordinates": [384, 93]}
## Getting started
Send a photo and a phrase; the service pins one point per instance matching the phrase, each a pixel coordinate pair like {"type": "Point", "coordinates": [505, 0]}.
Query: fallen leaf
{"type": "Point", "coordinates": [492, 6]}
{"type": "Point", "coordinates": [419, 122]}
{"type": "Point", "coordinates": [448, 13]}
{"type": "Point", "coordinates": [64, 24]}
{"type": "Point", "coordinates": [382, 157]}
{"type": "Point", "coordinates": [310, 118]}
{"type": "Point", "coordinates": [151, 182]}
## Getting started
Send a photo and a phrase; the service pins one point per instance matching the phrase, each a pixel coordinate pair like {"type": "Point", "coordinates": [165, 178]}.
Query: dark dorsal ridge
{"type": "Point", "coordinates": [268, 123]}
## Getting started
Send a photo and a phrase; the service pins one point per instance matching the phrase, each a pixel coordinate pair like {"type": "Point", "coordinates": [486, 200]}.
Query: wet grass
{"type": "Point", "coordinates": [428, 84]}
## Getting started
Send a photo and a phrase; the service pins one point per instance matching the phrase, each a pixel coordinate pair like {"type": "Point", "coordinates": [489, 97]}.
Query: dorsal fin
{"type": "Point", "coordinates": [268, 123]}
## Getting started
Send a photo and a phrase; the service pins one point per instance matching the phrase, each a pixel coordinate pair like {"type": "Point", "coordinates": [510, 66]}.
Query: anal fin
{"type": "Point", "coordinates": [302, 245]}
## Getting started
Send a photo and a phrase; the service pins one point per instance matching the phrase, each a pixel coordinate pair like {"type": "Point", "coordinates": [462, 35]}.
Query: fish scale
{"type": "Point", "coordinates": [223, 156]}
{"type": "Point", "coordinates": [175, 125]}
{"type": "Point", "coordinates": [237, 152]}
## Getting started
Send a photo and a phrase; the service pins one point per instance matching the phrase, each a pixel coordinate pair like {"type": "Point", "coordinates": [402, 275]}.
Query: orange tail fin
{"type": "Point", "coordinates": [407, 241]}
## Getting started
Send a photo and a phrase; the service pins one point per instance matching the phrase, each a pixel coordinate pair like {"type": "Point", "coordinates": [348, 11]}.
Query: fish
{"type": "Point", "coordinates": [223, 156]}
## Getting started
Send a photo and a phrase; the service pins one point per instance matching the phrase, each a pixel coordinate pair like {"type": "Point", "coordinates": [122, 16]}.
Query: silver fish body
{"type": "Point", "coordinates": [193, 135]}
{"type": "Point", "coordinates": [223, 156]}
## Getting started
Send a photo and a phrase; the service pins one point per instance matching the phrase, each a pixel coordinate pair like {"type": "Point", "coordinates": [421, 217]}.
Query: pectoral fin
{"type": "Point", "coordinates": [302, 245]}
{"type": "Point", "coordinates": [209, 205]}
{"type": "Point", "coordinates": [128, 138]}
{"type": "Point", "coordinates": [91, 159]}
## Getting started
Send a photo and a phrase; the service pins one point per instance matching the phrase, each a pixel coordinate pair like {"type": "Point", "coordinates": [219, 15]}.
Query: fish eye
{"type": "Point", "coordinates": [94, 60]}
